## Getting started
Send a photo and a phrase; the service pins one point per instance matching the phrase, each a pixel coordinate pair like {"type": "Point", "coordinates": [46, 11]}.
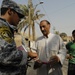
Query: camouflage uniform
{"type": "Point", "coordinates": [12, 60]}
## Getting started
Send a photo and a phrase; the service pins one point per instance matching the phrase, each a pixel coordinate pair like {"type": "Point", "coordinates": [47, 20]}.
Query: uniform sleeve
{"type": "Point", "coordinates": [9, 54]}
{"type": "Point", "coordinates": [62, 51]}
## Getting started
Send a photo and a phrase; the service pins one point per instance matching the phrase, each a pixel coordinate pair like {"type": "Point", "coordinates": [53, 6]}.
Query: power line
{"type": "Point", "coordinates": [63, 8]}
{"type": "Point", "coordinates": [45, 11]}
{"type": "Point", "coordinates": [48, 17]}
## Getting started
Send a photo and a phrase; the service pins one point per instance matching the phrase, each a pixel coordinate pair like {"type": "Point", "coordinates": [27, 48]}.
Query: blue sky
{"type": "Point", "coordinates": [61, 14]}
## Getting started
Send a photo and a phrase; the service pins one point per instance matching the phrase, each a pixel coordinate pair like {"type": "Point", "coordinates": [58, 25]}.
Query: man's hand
{"type": "Point", "coordinates": [69, 56]}
{"type": "Point", "coordinates": [54, 60]}
{"type": "Point", "coordinates": [32, 54]}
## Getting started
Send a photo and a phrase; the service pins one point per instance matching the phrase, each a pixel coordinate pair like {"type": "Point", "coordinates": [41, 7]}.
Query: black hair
{"type": "Point", "coordinates": [73, 31]}
{"type": "Point", "coordinates": [46, 21]}
{"type": "Point", "coordinates": [3, 11]}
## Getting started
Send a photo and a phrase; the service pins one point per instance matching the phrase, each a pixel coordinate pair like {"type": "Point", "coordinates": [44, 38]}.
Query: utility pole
{"type": "Point", "coordinates": [33, 26]}
{"type": "Point", "coordinates": [29, 6]}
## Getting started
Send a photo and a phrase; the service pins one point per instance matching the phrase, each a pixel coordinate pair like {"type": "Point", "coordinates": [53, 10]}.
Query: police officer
{"type": "Point", "coordinates": [12, 60]}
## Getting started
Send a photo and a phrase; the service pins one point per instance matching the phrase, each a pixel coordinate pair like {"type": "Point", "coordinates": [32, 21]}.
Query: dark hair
{"type": "Point", "coordinates": [46, 21]}
{"type": "Point", "coordinates": [73, 31]}
{"type": "Point", "coordinates": [3, 10]}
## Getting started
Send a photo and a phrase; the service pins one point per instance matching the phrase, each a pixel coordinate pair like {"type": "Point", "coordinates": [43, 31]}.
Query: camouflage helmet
{"type": "Point", "coordinates": [12, 5]}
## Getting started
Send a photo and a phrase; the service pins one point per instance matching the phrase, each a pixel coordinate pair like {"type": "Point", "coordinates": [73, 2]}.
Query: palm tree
{"type": "Point", "coordinates": [31, 16]}
{"type": "Point", "coordinates": [24, 21]}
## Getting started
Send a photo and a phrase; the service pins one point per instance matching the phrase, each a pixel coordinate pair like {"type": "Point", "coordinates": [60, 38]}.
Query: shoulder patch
{"type": "Point", "coordinates": [6, 34]}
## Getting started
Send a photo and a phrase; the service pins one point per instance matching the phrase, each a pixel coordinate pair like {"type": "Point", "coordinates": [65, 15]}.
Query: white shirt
{"type": "Point", "coordinates": [46, 47]}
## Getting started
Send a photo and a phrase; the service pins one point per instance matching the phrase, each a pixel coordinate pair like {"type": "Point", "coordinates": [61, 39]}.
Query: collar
{"type": "Point", "coordinates": [2, 19]}
{"type": "Point", "coordinates": [47, 35]}
{"type": "Point", "coordinates": [13, 28]}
